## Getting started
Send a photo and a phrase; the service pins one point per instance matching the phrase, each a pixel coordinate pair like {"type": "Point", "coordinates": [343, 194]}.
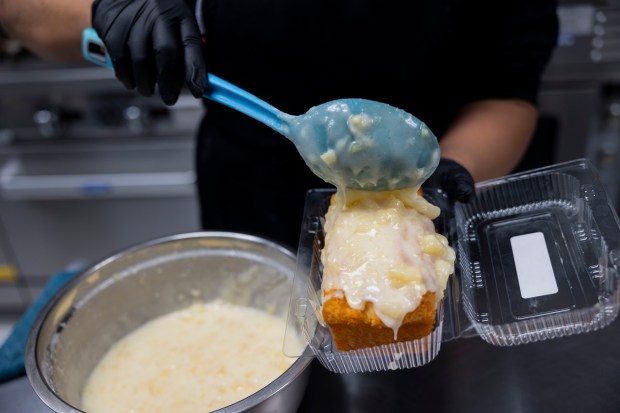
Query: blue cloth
{"type": "Point", "coordinates": [12, 351]}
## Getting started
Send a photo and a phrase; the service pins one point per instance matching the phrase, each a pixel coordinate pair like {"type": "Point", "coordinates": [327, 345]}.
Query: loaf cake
{"type": "Point", "coordinates": [384, 267]}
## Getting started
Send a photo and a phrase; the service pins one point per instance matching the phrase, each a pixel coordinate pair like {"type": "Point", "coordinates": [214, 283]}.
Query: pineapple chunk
{"type": "Point", "coordinates": [433, 245]}
{"type": "Point", "coordinates": [357, 146]}
{"type": "Point", "coordinates": [360, 123]}
{"type": "Point", "coordinates": [443, 269]}
{"type": "Point", "coordinates": [399, 277]}
{"type": "Point", "coordinates": [390, 309]}
{"type": "Point", "coordinates": [425, 208]}
{"type": "Point", "coordinates": [329, 157]}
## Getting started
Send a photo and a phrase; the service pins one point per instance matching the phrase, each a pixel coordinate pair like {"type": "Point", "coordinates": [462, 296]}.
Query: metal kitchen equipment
{"type": "Point", "coordinates": [578, 99]}
{"type": "Point", "coordinates": [81, 156]}
{"type": "Point", "coordinates": [106, 302]}
{"type": "Point", "coordinates": [538, 257]}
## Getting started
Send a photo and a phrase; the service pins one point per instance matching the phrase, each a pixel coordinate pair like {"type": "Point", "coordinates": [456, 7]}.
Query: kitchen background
{"type": "Point", "coordinates": [88, 168]}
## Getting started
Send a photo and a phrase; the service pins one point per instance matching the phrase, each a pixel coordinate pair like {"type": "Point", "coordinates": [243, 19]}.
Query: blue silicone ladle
{"type": "Point", "coordinates": [351, 143]}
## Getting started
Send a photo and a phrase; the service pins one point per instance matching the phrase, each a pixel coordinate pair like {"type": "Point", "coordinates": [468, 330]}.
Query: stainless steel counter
{"type": "Point", "coordinates": [572, 374]}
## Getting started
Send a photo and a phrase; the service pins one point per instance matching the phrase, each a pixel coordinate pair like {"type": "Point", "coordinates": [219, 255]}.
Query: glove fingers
{"type": "Point", "coordinates": [167, 60]}
{"type": "Point", "coordinates": [143, 64]}
{"type": "Point", "coordinates": [465, 190]}
{"type": "Point", "coordinates": [453, 179]}
{"type": "Point", "coordinates": [115, 40]}
{"type": "Point", "coordinates": [121, 60]}
{"type": "Point", "coordinates": [458, 191]}
{"type": "Point", "coordinates": [458, 185]}
{"type": "Point", "coordinates": [195, 66]}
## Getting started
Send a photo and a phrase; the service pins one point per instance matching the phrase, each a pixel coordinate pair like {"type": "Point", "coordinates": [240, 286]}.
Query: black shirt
{"type": "Point", "coordinates": [427, 57]}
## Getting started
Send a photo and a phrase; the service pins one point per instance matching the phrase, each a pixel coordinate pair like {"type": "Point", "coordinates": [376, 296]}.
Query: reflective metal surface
{"type": "Point", "coordinates": [579, 91]}
{"type": "Point", "coordinates": [95, 310]}
{"type": "Point", "coordinates": [82, 155]}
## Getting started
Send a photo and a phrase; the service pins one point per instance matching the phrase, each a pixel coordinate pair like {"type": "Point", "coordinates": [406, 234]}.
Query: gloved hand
{"type": "Point", "coordinates": [152, 41]}
{"type": "Point", "coordinates": [453, 179]}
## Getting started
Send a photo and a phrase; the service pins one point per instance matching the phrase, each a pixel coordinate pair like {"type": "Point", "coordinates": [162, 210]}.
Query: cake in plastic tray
{"type": "Point", "coordinates": [537, 258]}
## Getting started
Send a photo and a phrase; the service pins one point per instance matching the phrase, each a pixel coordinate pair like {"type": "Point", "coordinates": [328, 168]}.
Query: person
{"type": "Point", "coordinates": [49, 29]}
{"type": "Point", "coordinates": [469, 69]}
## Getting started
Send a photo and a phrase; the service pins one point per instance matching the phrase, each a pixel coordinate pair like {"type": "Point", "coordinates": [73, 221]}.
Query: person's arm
{"type": "Point", "coordinates": [500, 63]}
{"type": "Point", "coordinates": [150, 42]}
{"type": "Point", "coordinates": [490, 136]}
{"type": "Point", "coordinates": [51, 29]}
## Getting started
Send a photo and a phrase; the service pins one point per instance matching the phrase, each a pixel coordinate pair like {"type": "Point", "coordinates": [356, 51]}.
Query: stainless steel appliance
{"type": "Point", "coordinates": [580, 93]}
{"type": "Point", "coordinates": [86, 168]}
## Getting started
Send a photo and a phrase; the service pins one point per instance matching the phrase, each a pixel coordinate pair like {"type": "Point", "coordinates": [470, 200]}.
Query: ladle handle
{"type": "Point", "coordinates": [218, 89]}
{"type": "Point", "coordinates": [234, 97]}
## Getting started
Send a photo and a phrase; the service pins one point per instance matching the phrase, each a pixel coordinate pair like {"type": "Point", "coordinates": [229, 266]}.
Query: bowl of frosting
{"type": "Point", "coordinates": [186, 323]}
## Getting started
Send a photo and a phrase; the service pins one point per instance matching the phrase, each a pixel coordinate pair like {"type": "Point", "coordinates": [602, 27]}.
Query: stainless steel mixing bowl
{"type": "Point", "coordinates": [111, 299]}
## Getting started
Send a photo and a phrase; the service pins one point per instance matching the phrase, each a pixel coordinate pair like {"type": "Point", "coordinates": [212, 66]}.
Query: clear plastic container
{"type": "Point", "coordinates": [538, 256]}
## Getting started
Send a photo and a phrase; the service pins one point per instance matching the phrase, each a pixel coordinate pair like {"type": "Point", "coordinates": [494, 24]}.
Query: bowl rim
{"type": "Point", "coordinates": [54, 402]}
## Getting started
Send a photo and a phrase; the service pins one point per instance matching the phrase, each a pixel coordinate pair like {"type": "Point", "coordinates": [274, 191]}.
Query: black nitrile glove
{"type": "Point", "coordinates": [152, 41]}
{"type": "Point", "coordinates": [453, 179]}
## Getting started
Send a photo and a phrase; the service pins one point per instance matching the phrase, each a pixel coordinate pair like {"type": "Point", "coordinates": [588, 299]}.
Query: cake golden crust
{"type": "Point", "coordinates": [353, 329]}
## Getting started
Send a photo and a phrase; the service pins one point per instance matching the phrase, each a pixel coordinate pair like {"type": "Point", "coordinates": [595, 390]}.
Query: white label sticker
{"type": "Point", "coordinates": [534, 270]}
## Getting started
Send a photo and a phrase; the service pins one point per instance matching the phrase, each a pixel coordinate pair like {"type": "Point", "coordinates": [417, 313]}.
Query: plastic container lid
{"type": "Point", "coordinates": [538, 257]}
